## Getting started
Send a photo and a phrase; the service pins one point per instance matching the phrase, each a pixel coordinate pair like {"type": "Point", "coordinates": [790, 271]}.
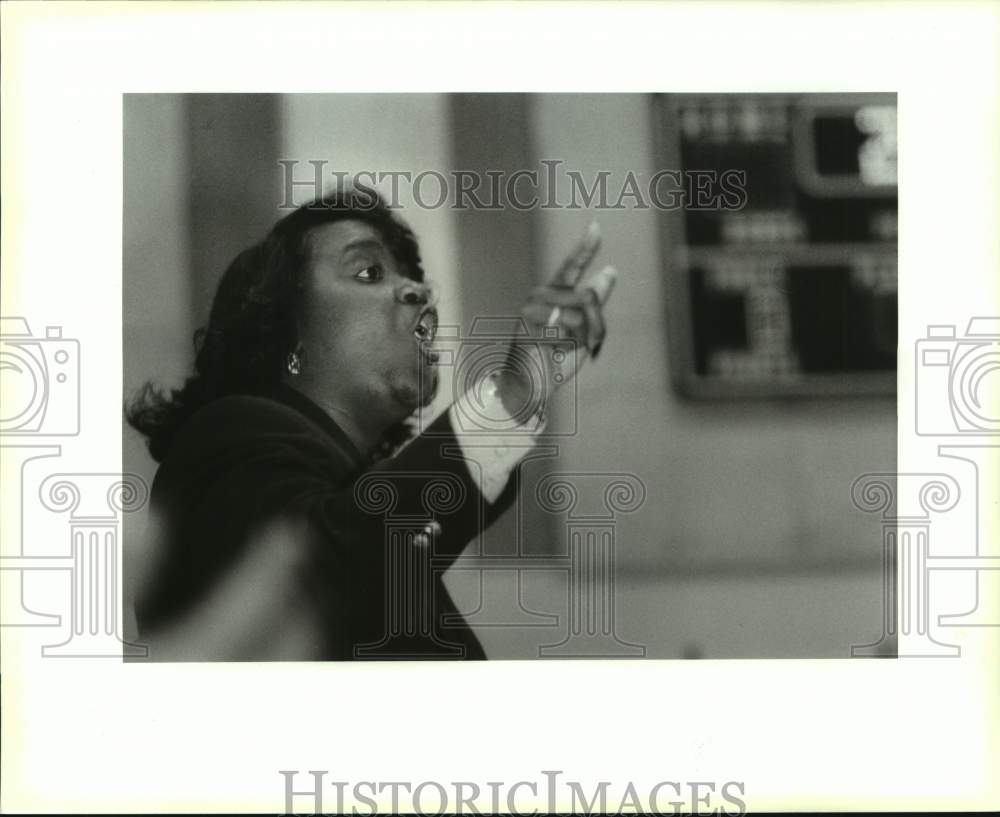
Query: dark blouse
{"type": "Point", "coordinates": [378, 539]}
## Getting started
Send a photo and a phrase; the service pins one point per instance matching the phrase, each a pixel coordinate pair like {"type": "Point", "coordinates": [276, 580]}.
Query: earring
{"type": "Point", "coordinates": [293, 363]}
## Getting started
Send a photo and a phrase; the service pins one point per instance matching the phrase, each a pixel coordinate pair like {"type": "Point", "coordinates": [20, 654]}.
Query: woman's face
{"type": "Point", "coordinates": [363, 319]}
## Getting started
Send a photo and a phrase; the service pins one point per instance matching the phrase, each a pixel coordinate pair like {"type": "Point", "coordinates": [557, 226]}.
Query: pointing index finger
{"type": "Point", "coordinates": [576, 263]}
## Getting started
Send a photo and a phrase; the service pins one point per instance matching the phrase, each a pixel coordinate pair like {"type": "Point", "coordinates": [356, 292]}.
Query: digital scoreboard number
{"type": "Point", "coordinates": [793, 292]}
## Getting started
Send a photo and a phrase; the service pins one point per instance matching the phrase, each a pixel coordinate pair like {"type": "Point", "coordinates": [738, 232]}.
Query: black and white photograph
{"type": "Point", "coordinates": [510, 375]}
{"type": "Point", "coordinates": [556, 406]}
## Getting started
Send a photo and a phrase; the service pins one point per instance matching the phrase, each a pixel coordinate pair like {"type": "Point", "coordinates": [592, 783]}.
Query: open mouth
{"type": "Point", "coordinates": [424, 332]}
{"type": "Point", "coordinates": [426, 326]}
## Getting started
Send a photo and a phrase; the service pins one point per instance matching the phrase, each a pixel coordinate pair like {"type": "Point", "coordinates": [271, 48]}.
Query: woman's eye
{"type": "Point", "coordinates": [370, 274]}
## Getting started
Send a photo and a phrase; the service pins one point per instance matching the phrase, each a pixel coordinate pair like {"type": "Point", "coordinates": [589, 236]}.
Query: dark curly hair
{"type": "Point", "coordinates": [253, 324]}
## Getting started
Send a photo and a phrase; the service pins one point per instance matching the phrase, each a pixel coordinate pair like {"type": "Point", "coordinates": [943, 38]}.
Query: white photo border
{"type": "Point", "coordinates": [94, 735]}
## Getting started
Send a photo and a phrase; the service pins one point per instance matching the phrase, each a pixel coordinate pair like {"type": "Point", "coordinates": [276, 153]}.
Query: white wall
{"type": "Point", "coordinates": [732, 481]}
{"type": "Point", "coordinates": [157, 320]}
{"type": "Point", "coordinates": [773, 476]}
{"type": "Point", "coordinates": [804, 615]}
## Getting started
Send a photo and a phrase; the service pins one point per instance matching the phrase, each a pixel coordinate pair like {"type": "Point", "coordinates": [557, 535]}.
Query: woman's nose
{"type": "Point", "coordinates": [415, 293]}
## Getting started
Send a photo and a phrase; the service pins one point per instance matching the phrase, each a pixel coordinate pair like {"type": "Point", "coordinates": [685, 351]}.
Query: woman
{"type": "Point", "coordinates": [278, 457]}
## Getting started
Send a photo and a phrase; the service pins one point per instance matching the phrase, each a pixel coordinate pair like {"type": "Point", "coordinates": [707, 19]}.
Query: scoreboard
{"type": "Point", "coordinates": [792, 290]}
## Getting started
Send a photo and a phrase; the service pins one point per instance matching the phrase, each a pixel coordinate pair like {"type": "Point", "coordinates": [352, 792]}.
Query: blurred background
{"type": "Point", "coordinates": [749, 372]}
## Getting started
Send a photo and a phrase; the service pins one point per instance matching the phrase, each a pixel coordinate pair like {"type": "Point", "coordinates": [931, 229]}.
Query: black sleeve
{"type": "Point", "coordinates": [245, 462]}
